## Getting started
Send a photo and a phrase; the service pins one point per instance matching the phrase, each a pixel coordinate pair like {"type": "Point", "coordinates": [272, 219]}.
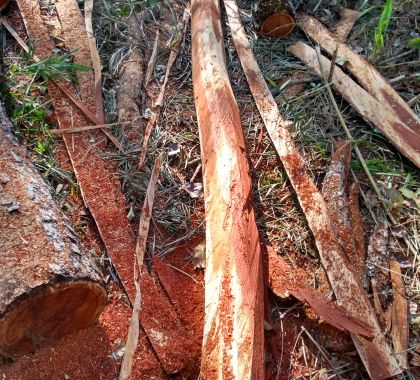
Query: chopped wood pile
{"type": "Point", "coordinates": [205, 309]}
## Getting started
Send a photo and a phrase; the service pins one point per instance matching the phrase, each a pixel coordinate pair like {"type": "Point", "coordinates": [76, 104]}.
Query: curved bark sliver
{"type": "Point", "coordinates": [233, 345]}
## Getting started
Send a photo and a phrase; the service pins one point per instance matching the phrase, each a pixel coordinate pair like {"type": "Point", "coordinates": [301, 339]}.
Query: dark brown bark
{"type": "Point", "coordinates": [49, 284]}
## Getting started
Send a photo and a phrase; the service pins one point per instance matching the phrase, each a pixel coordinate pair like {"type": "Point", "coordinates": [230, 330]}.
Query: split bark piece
{"type": "Point", "coordinates": [283, 277]}
{"type": "Point", "coordinates": [365, 73]}
{"type": "Point", "coordinates": [334, 192]}
{"type": "Point", "coordinates": [399, 134]}
{"type": "Point", "coordinates": [345, 25]}
{"type": "Point", "coordinates": [399, 314]}
{"type": "Point", "coordinates": [78, 41]}
{"type": "Point", "coordinates": [159, 101]}
{"type": "Point", "coordinates": [375, 353]}
{"type": "Point", "coordinates": [357, 222]}
{"type": "Point", "coordinates": [275, 18]}
{"type": "Point", "coordinates": [49, 284]}
{"type": "Point", "coordinates": [130, 85]}
{"type": "Point", "coordinates": [233, 339]}
{"type": "Point", "coordinates": [102, 196]}
{"type": "Point", "coordinates": [96, 61]}
{"type": "Point", "coordinates": [134, 328]}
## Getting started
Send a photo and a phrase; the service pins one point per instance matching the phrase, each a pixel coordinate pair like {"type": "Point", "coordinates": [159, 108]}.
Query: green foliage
{"type": "Point", "coordinates": [381, 28]}
{"type": "Point", "coordinates": [414, 43]}
{"type": "Point", "coordinates": [55, 67]}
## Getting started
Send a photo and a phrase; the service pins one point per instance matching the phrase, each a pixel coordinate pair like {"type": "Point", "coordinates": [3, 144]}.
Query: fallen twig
{"type": "Point", "coordinates": [376, 353]}
{"type": "Point", "coordinates": [159, 101]}
{"type": "Point", "coordinates": [134, 328]}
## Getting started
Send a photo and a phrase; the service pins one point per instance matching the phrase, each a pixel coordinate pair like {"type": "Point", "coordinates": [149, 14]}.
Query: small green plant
{"type": "Point", "coordinates": [55, 67]}
{"type": "Point", "coordinates": [414, 43]}
{"type": "Point", "coordinates": [381, 28]}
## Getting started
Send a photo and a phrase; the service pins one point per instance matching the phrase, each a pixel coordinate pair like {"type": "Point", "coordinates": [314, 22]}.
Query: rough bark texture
{"type": "Point", "coordinates": [49, 284]}
{"type": "Point", "coordinates": [233, 346]}
{"type": "Point", "coordinates": [375, 353]}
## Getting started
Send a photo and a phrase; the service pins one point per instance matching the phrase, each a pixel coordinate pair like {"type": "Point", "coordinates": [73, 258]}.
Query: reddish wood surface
{"type": "Point", "coordinates": [375, 353]}
{"type": "Point", "coordinates": [102, 195]}
{"type": "Point", "coordinates": [49, 284]}
{"type": "Point", "coordinates": [233, 339]}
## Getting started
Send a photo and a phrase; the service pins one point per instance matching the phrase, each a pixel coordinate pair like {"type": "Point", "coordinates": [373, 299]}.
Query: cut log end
{"type": "Point", "coordinates": [278, 25]}
{"type": "Point", "coordinates": [48, 313]}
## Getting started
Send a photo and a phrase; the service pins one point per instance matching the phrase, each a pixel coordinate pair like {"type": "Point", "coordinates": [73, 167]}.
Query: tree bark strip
{"type": "Point", "coordinates": [366, 74]}
{"type": "Point", "coordinates": [375, 353]}
{"type": "Point", "coordinates": [102, 196]}
{"type": "Point", "coordinates": [345, 25]}
{"type": "Point", "coordinates": [400, 135]}
{"type": "Point", "coordinates": [282, 277]}
{"type": "Point", "coordinates": [400, 322]}
{"type": "Point", "coordinates": [49, 285]}
{"type": "Point", "coordinates": [233, 341]}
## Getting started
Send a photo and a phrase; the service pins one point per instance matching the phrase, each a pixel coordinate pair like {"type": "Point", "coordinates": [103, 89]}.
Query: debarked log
{"type": "Point", "coordinates": [49, 284]}
{"type": "Point", "coordinates": [233, 345]}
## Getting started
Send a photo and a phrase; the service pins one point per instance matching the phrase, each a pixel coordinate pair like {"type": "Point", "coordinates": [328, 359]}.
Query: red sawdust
{"type": "Point", "coordinates": [87, 354]}
{"type": "Point", "coordinates": [187, 295]}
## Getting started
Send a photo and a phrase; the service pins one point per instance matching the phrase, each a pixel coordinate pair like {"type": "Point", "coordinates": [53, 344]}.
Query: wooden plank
{"type": "Point", "coordinates": [233, 339]}
{"type": "Point", "coordinates": [398, 133]}
{"type": "Point", "coordinates": [366, 74]}
{"type": "Point", "coordinates": [375, 353]}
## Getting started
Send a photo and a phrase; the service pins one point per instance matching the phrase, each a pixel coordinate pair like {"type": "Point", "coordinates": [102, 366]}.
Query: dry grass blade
{"type": "Point", "coordinates": [399, 314]}
{"type": "Point", "coordinates": [134, 328]}
{"type": "Point", "coordinates": [344, 26]}
{"type": "Point", "coordinates": [400, 135]}
{"type": "Point", "coordinates": [82, 129]}
{"type": "Point", "coordinates": [366, 74]}
{"type": "Point", "coordinates": [375, 353]}
{"type": "Point", "coordinates": [159, 101]}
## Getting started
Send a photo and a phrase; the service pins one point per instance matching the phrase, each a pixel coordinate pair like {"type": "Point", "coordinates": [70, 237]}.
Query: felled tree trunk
{"type": "Point", "coordinates": [275, 18]}
{"type": "Point", "coordinates": [233, 344]}
{"type": "Point", "coordinates": [49, 285]}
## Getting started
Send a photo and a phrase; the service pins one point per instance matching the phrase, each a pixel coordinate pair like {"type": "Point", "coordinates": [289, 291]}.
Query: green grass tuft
{"type": "Point", "coordinates": [381, 28]}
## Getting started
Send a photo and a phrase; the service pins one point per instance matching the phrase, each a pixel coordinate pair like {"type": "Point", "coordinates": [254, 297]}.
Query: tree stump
{"type": "Point", "coordinates": [275, 18]}
{"type": "Point", "coordinates": [49, 285]}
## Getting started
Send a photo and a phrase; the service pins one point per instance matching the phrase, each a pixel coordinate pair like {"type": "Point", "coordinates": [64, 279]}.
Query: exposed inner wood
{"type": "Point", "coordinates": [375, 353]}
{"type": "Point", "coordinates": [47, 313]}
{"type": "Point", "coordinates": [49, 283]}
{"type": "Point", "coordinates": [278, 25]}
{"type": "Point", "coordinates": [233, 341]}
